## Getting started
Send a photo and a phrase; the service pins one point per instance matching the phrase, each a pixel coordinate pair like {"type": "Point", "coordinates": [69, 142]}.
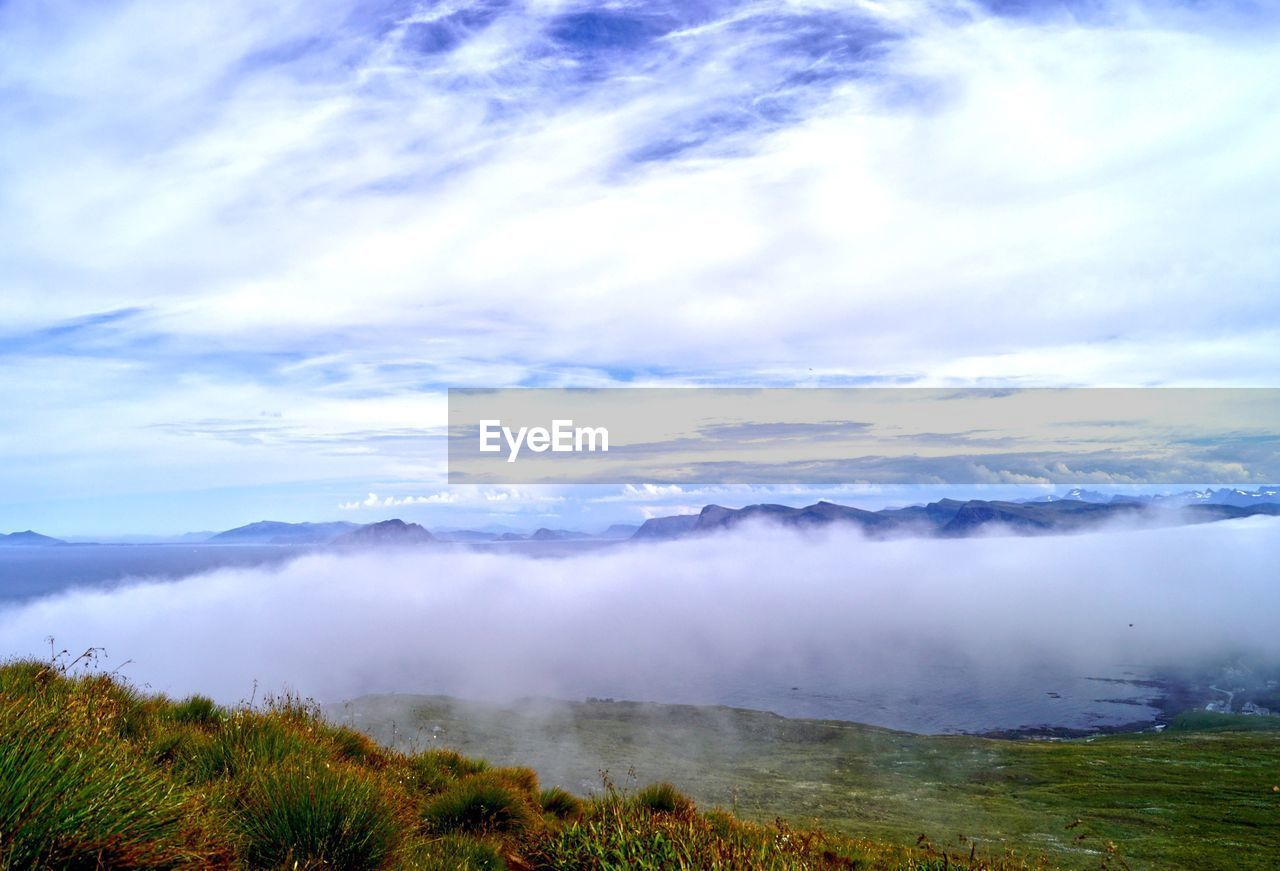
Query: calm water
{"type": "Point", "coordinates": [28, 573]}
{"type": "Point", "coordinates": [947, 698]}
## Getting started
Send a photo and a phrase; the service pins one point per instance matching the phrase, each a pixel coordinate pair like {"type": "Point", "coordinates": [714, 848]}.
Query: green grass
{"type": "Point", "coordinates": [560, 803]}
{"type": "Point", "coordinates": [433, 770]}
{"type": "Point", "coordinates": [316, 816]}
{"type": "Point", "coordinates": [199, 710]}
{"type": "Point", "coordinates": [1199, 795]}
{"type": "Point", "coordinates": [73, 795]}
{"type": "Point", "coordinates": [481, 804]}
{"type": "Point", "coordinates": [1209, 721]}
{"type": "Point", "coordinates": [95, 775]}
{"type": "Point", "coordinates": [662, 798]}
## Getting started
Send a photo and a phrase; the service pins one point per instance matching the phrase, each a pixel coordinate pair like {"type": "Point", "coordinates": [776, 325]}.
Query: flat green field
{"type": "Point", "coordinates": [1205, 793]}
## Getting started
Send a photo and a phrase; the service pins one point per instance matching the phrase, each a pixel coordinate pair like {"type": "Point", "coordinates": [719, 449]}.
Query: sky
{"type": "Point", "coordinates": [246, 247]}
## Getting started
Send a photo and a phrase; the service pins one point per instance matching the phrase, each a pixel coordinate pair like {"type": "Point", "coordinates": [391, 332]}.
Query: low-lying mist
{"type": "Point", "coordinates": [926, 634]}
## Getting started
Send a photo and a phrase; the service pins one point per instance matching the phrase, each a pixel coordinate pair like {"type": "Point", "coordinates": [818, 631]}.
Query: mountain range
{"type": "Point", "coordinates": [277, 532]}
{"type": "Point", "coordinates": [1076, 510]}
{"type": "Point", "coordinates": [1222, 496]}
{"type": "Point", "coordinates": [949, 518]}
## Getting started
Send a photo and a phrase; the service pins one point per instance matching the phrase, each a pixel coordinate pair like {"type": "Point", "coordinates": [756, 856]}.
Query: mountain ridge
{"type": "Point", "coordinates": [280, 532]}
{"type": "Point", "coordinates": [385, 532]}
{"type": "Point", "coordinates": [27, 538]}
{"type": "Point", "coordinates": [947, 518]}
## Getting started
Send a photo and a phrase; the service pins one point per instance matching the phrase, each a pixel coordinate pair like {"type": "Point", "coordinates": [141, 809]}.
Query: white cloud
{"type": "Point", "coordinates": [1056, 184]}
{"type": "Point", "coordinates": [646, 491]}
{"type": "Point", "coordinates": [493, 498]}
{"type": "Point", "coordinates": [443, 497]}
{"type": "Point", "coordinates": [314, 216]}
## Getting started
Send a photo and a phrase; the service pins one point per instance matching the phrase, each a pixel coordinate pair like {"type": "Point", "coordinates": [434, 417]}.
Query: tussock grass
{"type": "Point", "coordinates": [457, 853]}
{"type": "Point", "coordinates": [522, 778]}
{"type": "Point", "coordinates": [73, 795]}
{"type": "Point", "coordinates": [315, 816]}
{"type": "Point", "coordinates": [433, 770]}
{"type": "Point", "coordinates": [560, 803]}
{"type": "Point", "coordinates": [355, 747]}
{"type": "Point", "coordinates": [621, 834]}
{"type": "Point", "coordinates": [662, 798]}
{"type": "Point", "coordinates": [95, 775]}
{"type": "Point", "coordinates": [244, 741]}
{"type": "Point", "coordinates": [481, 804]}
{"type": "Point", "coordinates": [198, 710]}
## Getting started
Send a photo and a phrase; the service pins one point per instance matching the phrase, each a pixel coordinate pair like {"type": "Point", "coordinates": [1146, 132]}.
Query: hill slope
{"type": "Point", "coordinates": [1198, 795]}
{"type": "Point", "coordinates": [93, 774]}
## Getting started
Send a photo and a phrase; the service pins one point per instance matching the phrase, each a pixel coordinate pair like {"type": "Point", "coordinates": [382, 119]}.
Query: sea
{"type": "Point", "coordinates": [33, 572]}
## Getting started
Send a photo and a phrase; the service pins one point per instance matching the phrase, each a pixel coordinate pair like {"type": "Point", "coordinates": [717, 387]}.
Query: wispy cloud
{"type": "Point", "coordinates": [334, 209]}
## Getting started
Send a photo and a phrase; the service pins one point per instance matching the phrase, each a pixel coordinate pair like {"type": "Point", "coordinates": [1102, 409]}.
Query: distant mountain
{"type": "Point", "coordinates": [619, 531]}
{"type": "Point", "coordinates": [542, 534]}
{"type": "Point", "coordinates": [949, 518]}
{"type": "Point", "coordinates": [666, 527]}
{"type": "Point", "coordinates": [1223, 496]}
{"type": "Point", "coordinates": [493, 529]}
{"type": "Point", "coordinates": [818, 514]}
{"type": "Point", "coordinates": [275, 532]}
{"type": "Point", "coordinates": [386, 532]}
{"type": "Point", "coordinates": [192, 537]}
{"type": "Point", "coordinates": [545, 534]}
{"type": "Point", "coordinates": [1207, 513]}
{"type": "Point", "coordinates": [28, 539]}
{"type": "Point", "coordinates": [1076, 494]}
{"type": "Point", "coordinates": [466, 535]}
{"type": "Point", "coordinates": [1063, 515]}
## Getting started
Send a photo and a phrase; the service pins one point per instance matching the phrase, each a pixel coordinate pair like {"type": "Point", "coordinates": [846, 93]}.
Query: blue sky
{"type": "Point", "coordinates": [246, 246]}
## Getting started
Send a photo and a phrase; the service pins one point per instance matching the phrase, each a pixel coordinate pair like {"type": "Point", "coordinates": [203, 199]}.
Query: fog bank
{"type": "Point", "coordinates": [740, 618]}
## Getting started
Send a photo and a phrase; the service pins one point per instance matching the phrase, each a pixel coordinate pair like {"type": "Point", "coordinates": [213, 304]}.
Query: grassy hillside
{"type": "Point", "coordinates": [95, 775]}
{"type": "Point", "coordinates": [1200, 795]}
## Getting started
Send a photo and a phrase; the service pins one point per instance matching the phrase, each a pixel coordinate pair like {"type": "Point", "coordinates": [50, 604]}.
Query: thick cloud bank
{"type": "Point", "coordinates": [744, 618]}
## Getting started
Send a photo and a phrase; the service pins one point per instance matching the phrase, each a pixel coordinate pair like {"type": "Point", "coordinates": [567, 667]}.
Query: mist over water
{"type": "Point", "coordinates": [929, 635]}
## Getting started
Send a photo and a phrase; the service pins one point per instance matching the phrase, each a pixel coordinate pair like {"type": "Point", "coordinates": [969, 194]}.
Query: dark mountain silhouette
{"type": "Point", "coordinates": [545, 534]}
{"type": "Point", "coordinates": [29, 539]}
{"type": "Point", "coordinates": [386, 532]}
{"type": "Point", "coordinates": [667, 527]}
{"type": "Point", "coordinates": [949, 517]}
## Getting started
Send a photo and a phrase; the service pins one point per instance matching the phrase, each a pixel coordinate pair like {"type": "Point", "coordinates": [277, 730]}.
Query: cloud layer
{"type": "Point", "coordinates": [920, 633]}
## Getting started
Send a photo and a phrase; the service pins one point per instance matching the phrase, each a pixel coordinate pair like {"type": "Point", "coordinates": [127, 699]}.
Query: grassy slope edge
{"type": "Point", "coordinates": [94, 774]}
{"type": "Point", "coordinates": [1202, 794]}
